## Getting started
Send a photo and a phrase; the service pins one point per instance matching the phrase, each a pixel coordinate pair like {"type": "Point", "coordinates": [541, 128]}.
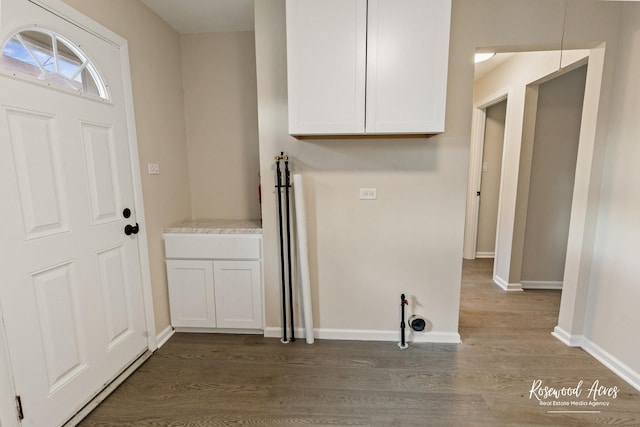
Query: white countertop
{"type": "Point", "coordinates": [216, 226]}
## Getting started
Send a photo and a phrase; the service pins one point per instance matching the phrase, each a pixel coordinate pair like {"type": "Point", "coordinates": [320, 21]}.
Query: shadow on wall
{"type": "Point", "coordinates": [419, 154]}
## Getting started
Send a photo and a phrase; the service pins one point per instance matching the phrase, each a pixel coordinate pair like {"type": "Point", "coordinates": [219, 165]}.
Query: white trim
{"type": "Point", "coordinates": [541, 284]}
{"type": "Point", "coordinates": [7, 386]}
{"type": "Point", "coordinates": [567, 338]}
{"type": "Point", "coordinates": [369, 335]}
{"type": "Point", "coordinates": [164, 336]}
{"type": "Point", "coordinates": [505, 286]}
{"type": "Point", "coordinates": [622, 370]}
{"type": "Point", "coordinates": [276, 332]}
{"type": "Point", "coordinates": [71, 15]}
{"type": "Point", "coordinates": [473, 184]}
{"type": "Point", "coordinates": [136, 177]}
{"type": "Point", "coordinates": [219, 331]}
{"type": "Point", "coordinates": [601, 355]}
{"type": "Point", "coordinates": [475, 170]}
{"type": "Point", "coordinates": [485, 254]}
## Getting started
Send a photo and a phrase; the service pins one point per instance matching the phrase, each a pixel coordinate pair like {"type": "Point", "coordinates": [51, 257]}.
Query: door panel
{"type": "Point", "coordinates": [104, 188]}
{"type": "Point", "coordinates": [36, 156]}
{"type": "Point", "coordinates": [58, 323]}
{"type": "Point", "coordinates": [114, 293]}
{"type": "Point", "coordinates": [71, 294]}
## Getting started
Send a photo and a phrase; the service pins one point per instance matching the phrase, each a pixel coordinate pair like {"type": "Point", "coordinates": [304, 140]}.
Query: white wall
{"type": "Point", "coordinates": [219, 80]}
{"type": "Point", "coordinates": [612, 313]}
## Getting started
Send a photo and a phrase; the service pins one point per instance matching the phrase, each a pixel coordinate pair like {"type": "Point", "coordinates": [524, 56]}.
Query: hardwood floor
{"type": "Point", "coordinates": [229, 380]}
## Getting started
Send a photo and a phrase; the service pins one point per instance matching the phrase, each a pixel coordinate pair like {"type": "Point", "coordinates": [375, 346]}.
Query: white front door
{"type": "Point", "coordinates": [70, 292]}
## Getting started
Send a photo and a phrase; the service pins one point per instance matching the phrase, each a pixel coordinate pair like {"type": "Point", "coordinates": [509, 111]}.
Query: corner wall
{"type": "Point", "coordinates": [221, 114]}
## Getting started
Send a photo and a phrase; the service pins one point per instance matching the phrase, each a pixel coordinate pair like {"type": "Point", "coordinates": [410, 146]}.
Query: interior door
{"type": "Point", "coordinates": [71, 292]}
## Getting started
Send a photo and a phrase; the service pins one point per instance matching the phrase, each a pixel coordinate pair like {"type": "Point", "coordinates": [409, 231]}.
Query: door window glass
{"type": "Point", "coordinates": [50, 57]}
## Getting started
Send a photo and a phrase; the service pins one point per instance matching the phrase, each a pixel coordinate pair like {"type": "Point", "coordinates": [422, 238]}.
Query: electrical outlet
{"type": "Point", "coordinates": [368, 194]}
{"type": "Point", "coordinates": [153, 168]}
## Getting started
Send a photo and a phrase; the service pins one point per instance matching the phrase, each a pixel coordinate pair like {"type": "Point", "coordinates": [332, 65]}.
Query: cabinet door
{"type": "Point", "coordinates": [238, 294]}
{"type": "Point", "coordinates": [326, 59]}
{"type": "Point", "coordinates": [191, 293]}
{"type": "Point", "coordinates": [407, 63]}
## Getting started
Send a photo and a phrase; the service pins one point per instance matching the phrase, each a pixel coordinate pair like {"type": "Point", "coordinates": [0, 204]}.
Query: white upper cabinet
{"type": "Point", "coordinates": [367, 67]}
{"type": "Point", "coordinates": [326, 49]}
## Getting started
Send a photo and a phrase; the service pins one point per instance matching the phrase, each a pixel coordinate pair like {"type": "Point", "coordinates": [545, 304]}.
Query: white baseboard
{"type": "Point", "coordinates": [611, 362]}
{"type": "Point", "coordinates": [485, 254]}
{"type": "Point", "coordinates": [164, 336]}
{"type": "Point", "coordinates": [567, 338]}
{"type": "Point", "coordinates": [541, 284]}
{"type": "Point", "coordinates": [509, 287]}
{"type": "Point", "coordinates": [369, 335]}
{"type": "Point", "coordinates": [601, 355]}
{"type": "Point", "coordinates": [276, 332]}
{"type": "Point", "coordinates": [235, 331]}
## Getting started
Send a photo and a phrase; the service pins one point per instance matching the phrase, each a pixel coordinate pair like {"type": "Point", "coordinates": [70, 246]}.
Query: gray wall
{"type": "Point", "coordinates": [555, 149]}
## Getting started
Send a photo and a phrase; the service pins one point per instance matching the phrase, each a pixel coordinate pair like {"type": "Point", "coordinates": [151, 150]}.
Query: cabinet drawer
{"type": "Point", "coordinates": [212, 246]}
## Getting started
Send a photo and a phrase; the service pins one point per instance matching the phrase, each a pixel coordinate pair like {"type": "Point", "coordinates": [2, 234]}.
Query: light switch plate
{"type": "Point", "coordinates": [153, 168]}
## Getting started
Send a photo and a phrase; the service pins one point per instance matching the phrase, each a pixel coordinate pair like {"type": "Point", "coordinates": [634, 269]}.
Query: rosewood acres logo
{"type": "Point", "coordinates": [581, 397]}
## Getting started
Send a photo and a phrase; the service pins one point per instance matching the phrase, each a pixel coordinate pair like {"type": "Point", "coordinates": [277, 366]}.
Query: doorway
{"type": "Point", "coordinates": [516, 79]}
{"type": "Point", "coordinates": [495, 116]}
{"type": "Point", "coordinates": [550, 181]}
{"type": "Point", "coordinates": [72, 298]}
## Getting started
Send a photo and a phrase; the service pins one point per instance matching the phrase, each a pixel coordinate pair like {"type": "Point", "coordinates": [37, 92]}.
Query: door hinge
{"type": "Point", "coordinates": [19, 408]}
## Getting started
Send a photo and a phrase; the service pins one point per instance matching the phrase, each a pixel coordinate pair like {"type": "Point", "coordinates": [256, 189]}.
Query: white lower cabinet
{"type": "Point", "coordinates": [238, 296]}
{"type": "Point", "coordinates": [191, 293]}
{"type": "Point", "coordinates": [210, 295]}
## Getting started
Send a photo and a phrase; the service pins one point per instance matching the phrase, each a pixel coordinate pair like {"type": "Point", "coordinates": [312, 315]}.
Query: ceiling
{"type": "Point", "coordinates": [205, 16]}
{"type": "Point", "coordinates": [212, 16]}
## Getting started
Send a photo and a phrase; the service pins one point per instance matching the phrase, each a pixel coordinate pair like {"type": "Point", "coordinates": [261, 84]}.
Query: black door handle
{"type": "Point", "coordinates": [131, 229]}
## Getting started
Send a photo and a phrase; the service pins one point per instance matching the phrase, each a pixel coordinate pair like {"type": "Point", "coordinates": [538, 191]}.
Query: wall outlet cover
{"type": "Point", "coordinates": [368, 194]}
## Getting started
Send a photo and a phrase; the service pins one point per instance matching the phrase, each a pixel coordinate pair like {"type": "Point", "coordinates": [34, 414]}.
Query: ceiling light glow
{"type": "Point", "coordinates": [483, 56]}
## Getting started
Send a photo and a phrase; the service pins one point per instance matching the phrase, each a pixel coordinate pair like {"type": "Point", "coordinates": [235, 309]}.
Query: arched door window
{"type": "Point", "coordinates": [50, 57]}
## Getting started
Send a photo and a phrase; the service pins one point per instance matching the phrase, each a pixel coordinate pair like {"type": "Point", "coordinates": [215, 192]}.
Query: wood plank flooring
{"type": "Point", "coordinates": [234, 380]}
